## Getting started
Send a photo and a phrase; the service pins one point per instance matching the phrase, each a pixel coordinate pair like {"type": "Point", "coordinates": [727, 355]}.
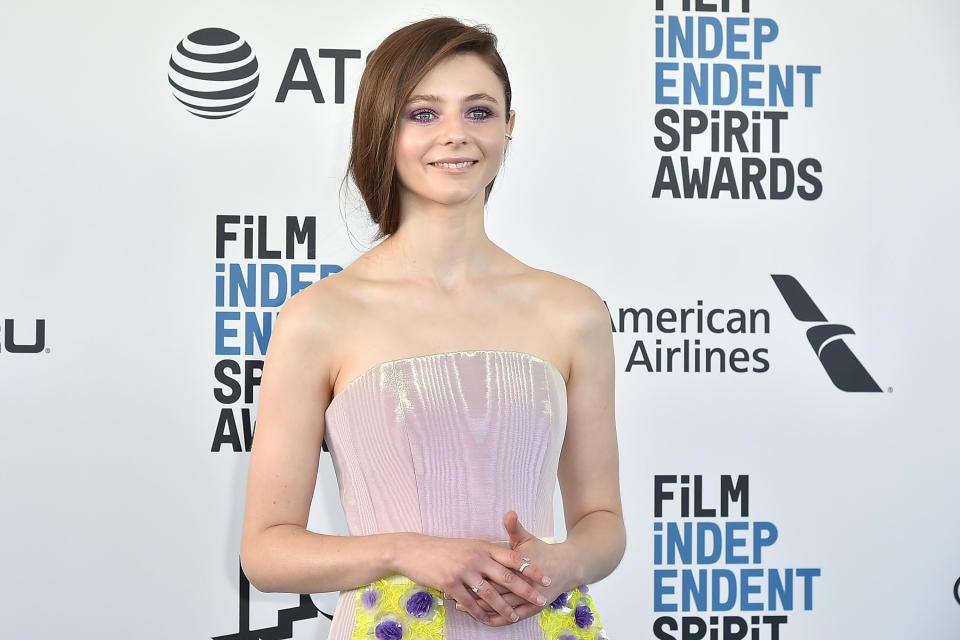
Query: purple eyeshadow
{"type": "Point", "coordinates": [489, 114]}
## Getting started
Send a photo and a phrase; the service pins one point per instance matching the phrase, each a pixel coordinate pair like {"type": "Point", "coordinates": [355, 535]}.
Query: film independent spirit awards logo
{"type": "Point", "coordinates": [214, 73]}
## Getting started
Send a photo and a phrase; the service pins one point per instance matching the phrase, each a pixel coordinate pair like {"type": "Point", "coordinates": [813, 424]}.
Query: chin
{"type": "Point", "coordinates": [453, 201]}
{"type": "Point", "coordinates": [453, 198]}
{"type": "Point", "coordinates": [448, 197]}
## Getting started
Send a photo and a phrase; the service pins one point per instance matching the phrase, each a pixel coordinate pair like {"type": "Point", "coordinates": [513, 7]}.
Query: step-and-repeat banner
{"type": "Point", "coordinates": [762, 192]}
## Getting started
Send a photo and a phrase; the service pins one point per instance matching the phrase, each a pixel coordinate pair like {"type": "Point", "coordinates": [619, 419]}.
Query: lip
{"type": "Point", "coordinates": [455, 159]}
{"type": "Point", "coordinates": [454, 169]}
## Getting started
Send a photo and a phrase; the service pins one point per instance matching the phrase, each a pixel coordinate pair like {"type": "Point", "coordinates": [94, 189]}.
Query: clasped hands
{"type": "Point", "coordinates": [505, 595]}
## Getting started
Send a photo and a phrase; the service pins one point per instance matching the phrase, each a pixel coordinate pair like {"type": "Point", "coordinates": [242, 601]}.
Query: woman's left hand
{"type": "Point", "coordinates": [551, 559]}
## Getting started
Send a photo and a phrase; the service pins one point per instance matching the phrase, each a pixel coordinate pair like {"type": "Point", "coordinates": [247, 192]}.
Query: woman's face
{"type": "Point", "coordinates": [457, 111]}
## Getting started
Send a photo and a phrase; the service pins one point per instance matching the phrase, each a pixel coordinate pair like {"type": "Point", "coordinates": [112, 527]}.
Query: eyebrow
{"type": "Point", "coordinates": [470, 98]}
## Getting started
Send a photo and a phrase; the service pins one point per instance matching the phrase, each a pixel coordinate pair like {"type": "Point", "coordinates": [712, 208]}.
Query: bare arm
{"type": "Point", "coordinates": [276, 551]}
{"type": "Point", "coordinates": [589, 461]}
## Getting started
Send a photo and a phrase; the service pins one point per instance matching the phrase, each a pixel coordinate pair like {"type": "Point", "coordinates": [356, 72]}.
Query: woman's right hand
{"type": "Point", "coordinates": [455, 565]}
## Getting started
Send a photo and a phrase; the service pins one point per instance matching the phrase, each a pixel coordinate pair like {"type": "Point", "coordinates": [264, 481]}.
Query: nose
{"type": "Point", "coordinates": [454, 130]}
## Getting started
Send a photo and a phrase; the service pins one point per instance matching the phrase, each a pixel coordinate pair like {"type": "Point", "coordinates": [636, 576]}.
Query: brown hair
{"type": "Point", "coordinates": [392, 72]}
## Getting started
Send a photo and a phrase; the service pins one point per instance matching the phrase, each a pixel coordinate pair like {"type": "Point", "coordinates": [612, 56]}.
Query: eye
{"type": "Point", "coordinates": [485, 113]}
{"type": "Point", "coordinates": [421, 112]}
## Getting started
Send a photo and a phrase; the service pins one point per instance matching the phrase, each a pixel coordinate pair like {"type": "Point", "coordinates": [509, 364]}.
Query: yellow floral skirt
{"type": "Point", "coordinates": [396, 608]}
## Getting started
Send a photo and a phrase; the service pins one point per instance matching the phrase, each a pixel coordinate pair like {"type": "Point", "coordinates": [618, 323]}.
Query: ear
{"type": "Point", "coordinates": [512, 121]}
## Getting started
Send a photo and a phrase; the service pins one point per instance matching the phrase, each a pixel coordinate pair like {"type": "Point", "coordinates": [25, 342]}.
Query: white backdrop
{"type": "Point", "coordinates": [120, 519]}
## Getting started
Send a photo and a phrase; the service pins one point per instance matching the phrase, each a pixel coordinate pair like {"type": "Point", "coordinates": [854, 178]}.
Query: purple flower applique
{"type": "Point", "coordinates": [369, 597]}
{"type": "Point", "coordinates": [584, 588]}
{"type": "Point", "coordinates": [389, 630]}
{"type": "Point", "coordinates": [583, 616]}
{"type": "Point", "coordinates": [419, 604]}
{"type": "Point", "coordinates": [561, 601]}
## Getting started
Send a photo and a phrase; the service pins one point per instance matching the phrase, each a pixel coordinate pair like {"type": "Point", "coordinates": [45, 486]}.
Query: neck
{"type": "Point", "coordinates": [442, 244]}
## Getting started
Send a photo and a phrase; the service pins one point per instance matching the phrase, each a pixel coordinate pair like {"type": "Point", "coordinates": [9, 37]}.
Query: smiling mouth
{"type": "Point", "coordinates": [454, 165]}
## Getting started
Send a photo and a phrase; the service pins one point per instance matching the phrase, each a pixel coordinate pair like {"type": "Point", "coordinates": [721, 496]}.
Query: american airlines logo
{"type": "Point", "coordinates": [844, 369]}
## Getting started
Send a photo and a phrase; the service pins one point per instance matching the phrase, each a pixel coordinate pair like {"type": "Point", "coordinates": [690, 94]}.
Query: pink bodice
{"type": "Point", "coordinates": [445, 444]}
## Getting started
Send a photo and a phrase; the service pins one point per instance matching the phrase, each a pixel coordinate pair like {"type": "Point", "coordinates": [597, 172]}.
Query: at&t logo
{"type": "Point", "coordinates": [214, 73]}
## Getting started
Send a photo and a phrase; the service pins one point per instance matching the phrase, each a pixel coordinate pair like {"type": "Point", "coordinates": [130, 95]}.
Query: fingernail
{"type": "Point", "coordinates": [541, 600]}
{"type": "Point", "coordinates": [514, 616]}
{"type": "Point", "coordinates": [458, 605]}
{"type": "Point", "coordinates": [546, 580]}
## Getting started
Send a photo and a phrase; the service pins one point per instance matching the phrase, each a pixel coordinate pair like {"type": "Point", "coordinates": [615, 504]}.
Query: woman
{"type": "Point", "coordinates": [438, 454]}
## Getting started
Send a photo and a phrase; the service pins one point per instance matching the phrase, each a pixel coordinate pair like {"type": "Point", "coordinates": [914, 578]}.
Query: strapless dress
{"type": "Point", "coordinates": [444, 445]}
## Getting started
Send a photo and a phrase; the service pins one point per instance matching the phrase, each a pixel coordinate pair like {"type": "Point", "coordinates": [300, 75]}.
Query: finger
{"type": "Point", "coordinates": [505, 591]}
{"type": "Point", "coordinates": [511, 598]}
{"type": "Point", "coordinates": [511, 522]}
{"type": "Point", "coordinates": [515, 560]}
{"type": "Point", "coordinates": [502, 589]}
{"type": "Point", "coordinates": [523, 611]}
{"type": "Point", "coordinates": [466, 602]}
{"type": "Point", "coordinates": [515, 582]}
{"type": "Point", "coordinates": [486, 607]}
{"type": "Point", "coordinates": [493, 597]}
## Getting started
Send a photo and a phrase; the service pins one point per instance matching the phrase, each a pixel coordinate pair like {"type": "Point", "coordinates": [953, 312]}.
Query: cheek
{"type": "Point", "coordinates": [411, 146]}
{"type": "Point", "coordinates": [494, 143]}
{"type": "Point", "coordinates": [493, 149]}
{"type": "Point", "coordinates": [404, 154]}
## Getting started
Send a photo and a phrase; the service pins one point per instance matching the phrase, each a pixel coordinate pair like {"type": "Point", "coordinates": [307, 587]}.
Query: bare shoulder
{"type": "Point", "coordinates": [579, 308]}
{"type": "Point", "coordinates": [311, 322]}
{"type": "Point", "coordinates": [578, 320]}
{"type": "Point", "coordinates": [312, 311]}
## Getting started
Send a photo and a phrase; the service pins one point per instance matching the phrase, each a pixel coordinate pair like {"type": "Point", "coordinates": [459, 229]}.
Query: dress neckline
{"type": "Point", "coordinates": [377, 366]}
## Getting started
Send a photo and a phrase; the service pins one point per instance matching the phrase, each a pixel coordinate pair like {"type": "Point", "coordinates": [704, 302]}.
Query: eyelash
{"type": "Point", "coordinates": [413, 116]}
